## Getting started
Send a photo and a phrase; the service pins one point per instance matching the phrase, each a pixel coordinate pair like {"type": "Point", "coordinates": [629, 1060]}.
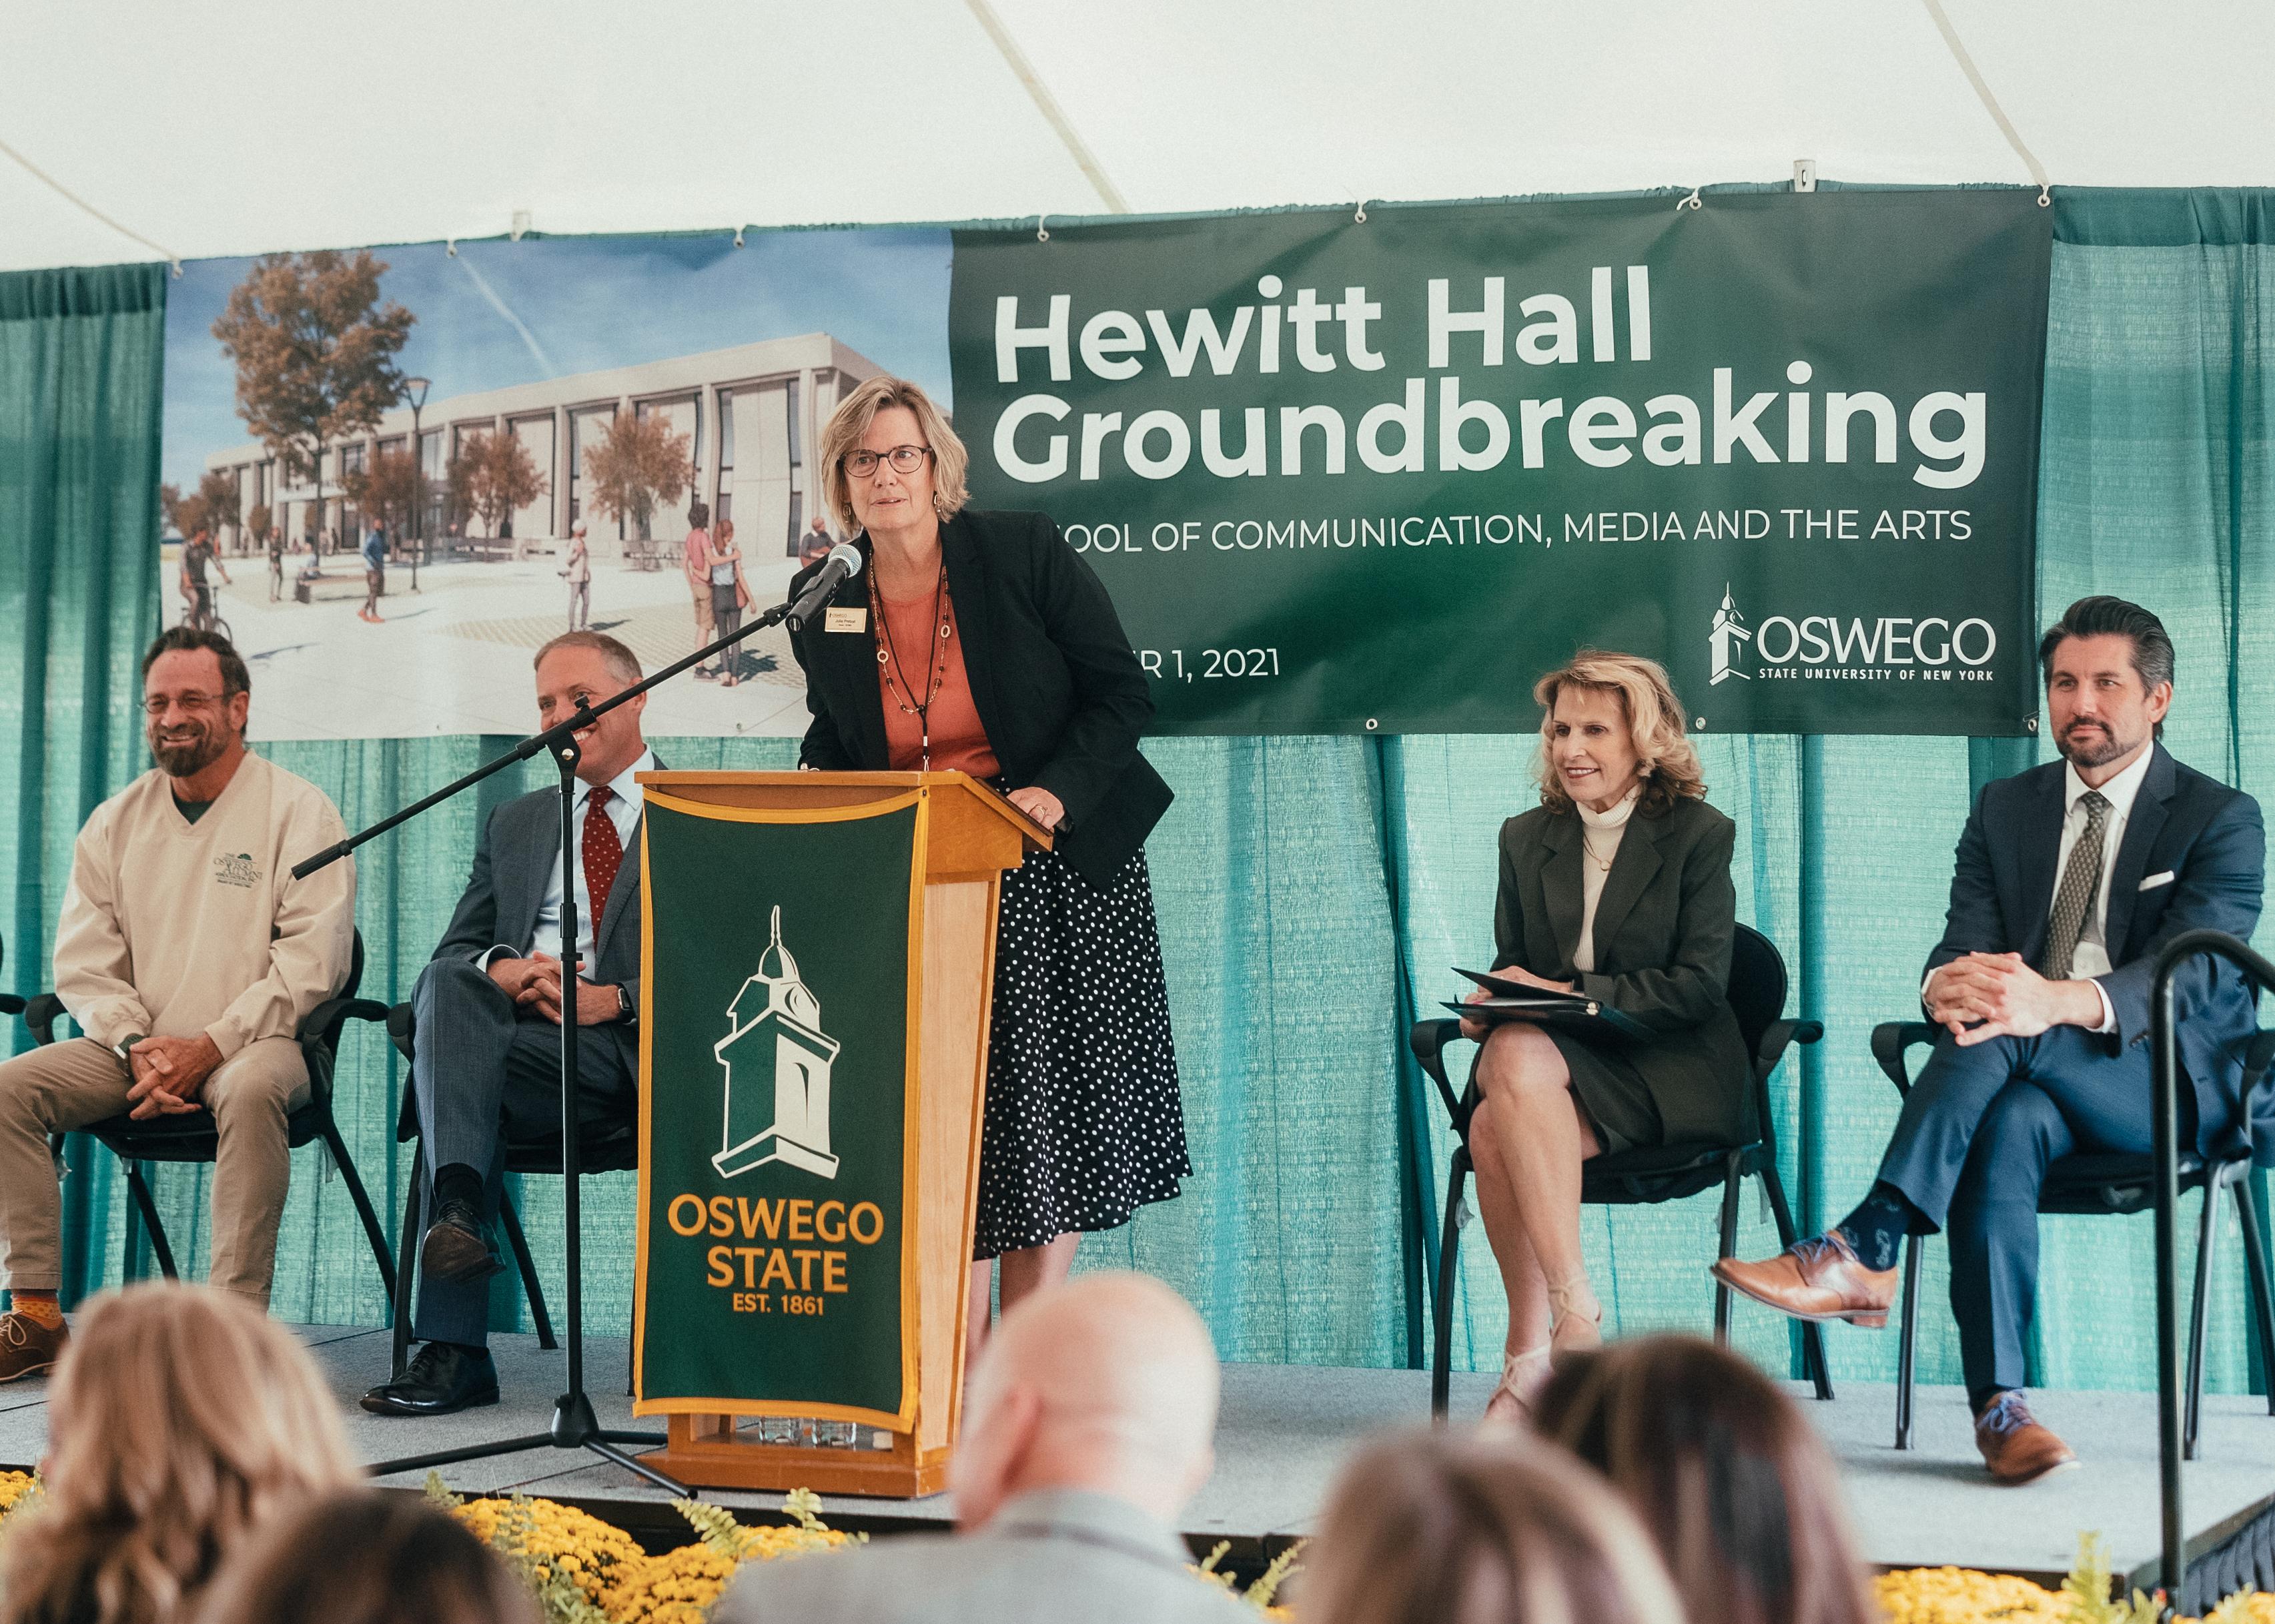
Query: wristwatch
{"type": "Point", "coordinates": [627, 1011]}
{"type": "Point", "coordinates": [121, 1049]}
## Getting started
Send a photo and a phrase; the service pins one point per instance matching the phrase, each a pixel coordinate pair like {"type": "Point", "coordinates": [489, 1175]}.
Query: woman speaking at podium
{"type": "Point", "coordinates": [982, 642]}
{"type": "Point", "coordinates": [1617, 886]}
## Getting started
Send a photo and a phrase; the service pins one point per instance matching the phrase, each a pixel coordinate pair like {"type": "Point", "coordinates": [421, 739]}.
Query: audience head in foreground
{"type": "Point", "coordinates": [181, 1419]}
{"type": "Point", "coordinates": [1431, 1528]}
{"type": "Point", "coordinates": [1087, 1426]}
{"type": "Point", "coordinates": [1737, 1492]}
{"type": "Point", "coordinates": [361, 1557]}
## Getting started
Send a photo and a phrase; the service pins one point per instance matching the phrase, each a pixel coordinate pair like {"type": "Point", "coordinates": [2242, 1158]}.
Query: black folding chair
{"type": "Point", "coordinates": [1660, 1172]}
{"type": "Point", "coordinates": [195, 1136]}
{"type": "Point", "coordinates": [2094, 1184]}
{"type": "Point", "coordinates": [610, 1146]}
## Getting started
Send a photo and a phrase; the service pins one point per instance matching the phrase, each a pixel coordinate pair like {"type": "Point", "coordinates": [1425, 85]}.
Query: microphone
{"type": "Point", "coordinates": [843, 565]}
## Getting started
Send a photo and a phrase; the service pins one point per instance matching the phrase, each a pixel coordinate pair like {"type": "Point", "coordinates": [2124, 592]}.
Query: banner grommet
{"type": "Point", "coordinates": [1041, 235]}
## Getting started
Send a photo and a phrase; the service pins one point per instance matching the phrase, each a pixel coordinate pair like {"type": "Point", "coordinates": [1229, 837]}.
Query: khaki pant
{"type": "Point", "coordinates": [704, 631]}
{"type": "Point", "coordinates": [67, 1085]}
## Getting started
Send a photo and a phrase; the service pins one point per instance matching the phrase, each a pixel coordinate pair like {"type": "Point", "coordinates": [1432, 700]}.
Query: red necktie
{"type": "Point", "coordinates": [604, 855]}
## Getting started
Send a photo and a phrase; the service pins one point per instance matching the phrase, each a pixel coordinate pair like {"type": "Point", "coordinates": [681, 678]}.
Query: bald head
{"type": "Point", "coordinates": [1107, 1383]}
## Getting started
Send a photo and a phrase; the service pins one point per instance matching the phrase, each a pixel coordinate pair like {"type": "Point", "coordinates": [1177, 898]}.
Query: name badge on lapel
{"type": "Point", "coordinates": [845, 620]}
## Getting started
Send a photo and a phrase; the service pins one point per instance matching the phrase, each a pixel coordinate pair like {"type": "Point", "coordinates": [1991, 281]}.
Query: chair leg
{"type": "Point", "coordinates": [1907, 1342]}
{"type": "Point", "coordinates": [529, 1284]}
{"type": "Point", "coordinates": [140, 1189]}
{"type": "Point", "coordinates": [371, 1232]}
{"type": "Point", "coordinates": [2207, 1239]}
{"type": "Point", "coordinates": [2257, 1281]}
{"type": "Point", "coordinates": [406, 1262]}
{"type": "Point", "coordinates": [1729, 1248]}
{"type": "Point", "coordinates": [1812, 1335]}
{"type": "Point", "coordinates": [1441, 1306]}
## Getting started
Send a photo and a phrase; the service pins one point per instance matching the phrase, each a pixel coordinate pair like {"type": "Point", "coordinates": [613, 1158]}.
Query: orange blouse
{"type": "Point", "coordinates": [959, 743]}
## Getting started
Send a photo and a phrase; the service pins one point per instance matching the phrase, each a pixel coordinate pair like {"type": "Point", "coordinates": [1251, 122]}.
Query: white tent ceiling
{"type": "Point", "coordinates": [235, 128]}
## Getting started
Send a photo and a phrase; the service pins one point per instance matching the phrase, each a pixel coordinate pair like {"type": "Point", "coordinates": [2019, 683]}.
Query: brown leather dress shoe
{"type": "Point", "coordinates": [2015, 1448]}
{"type": "Point", "coordinates": [27, 1347]}
{"type": "Point", "coordinates": [1816, 1278]}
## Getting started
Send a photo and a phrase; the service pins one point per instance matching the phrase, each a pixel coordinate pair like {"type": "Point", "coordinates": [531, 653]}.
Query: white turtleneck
{"type": "Point", "coordinates": [1603, 832]}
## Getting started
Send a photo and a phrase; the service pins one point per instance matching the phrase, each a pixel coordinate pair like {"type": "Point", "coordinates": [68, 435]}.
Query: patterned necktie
{"type": "Point", "coordinates": [2081, 883]}
{"type": "Point", "coordinates": [604, 855]}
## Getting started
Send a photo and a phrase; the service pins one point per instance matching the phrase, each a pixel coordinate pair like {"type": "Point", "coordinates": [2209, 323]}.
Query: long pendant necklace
{"type": "Point", "coordinates": [897, 681]}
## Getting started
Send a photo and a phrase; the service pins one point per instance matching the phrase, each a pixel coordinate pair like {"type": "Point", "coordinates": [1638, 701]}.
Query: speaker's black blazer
{"type": "Point", "coordinates": [1057, 686]}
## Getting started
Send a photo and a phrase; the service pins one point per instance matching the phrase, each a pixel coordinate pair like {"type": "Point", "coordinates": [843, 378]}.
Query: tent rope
{"type": "Point", "coordinates": [69, 196]}
{"type": "Point", "coordinates": [1990, 102]}
{"type": "Point", "coordinates": [1048, 105]}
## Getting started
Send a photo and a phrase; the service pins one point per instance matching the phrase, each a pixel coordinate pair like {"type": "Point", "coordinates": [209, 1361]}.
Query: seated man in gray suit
{"type": "Point", "coordinates": [2070, 879]}
{"type": "Point", "coordinates": [1086, 1429]}
{"type": "Point", "coordinates": [486, 1064]}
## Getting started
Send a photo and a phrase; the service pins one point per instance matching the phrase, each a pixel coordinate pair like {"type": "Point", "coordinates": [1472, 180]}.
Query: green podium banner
{"type": "Point", "coordinates": [1377, 471]}
{"type": "Point", "coordinates": [775, 1258]}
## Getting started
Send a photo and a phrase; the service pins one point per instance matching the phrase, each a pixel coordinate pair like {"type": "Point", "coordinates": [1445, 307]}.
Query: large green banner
{"type": "Point", "coordinates": [773, 1251]}
{"type": "Point", "coordinates": [1359, 474]}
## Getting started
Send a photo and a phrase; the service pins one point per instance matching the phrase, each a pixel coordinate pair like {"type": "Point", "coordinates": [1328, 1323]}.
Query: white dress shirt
{"type": "Point", "coordinates": [624, 811]}
{"type": "Point", "coordinates": [2090, 958]}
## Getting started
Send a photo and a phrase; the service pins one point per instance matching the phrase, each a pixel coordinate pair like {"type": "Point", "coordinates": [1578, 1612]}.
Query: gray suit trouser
{"type": "Point", "coordinates": [485, 1073]}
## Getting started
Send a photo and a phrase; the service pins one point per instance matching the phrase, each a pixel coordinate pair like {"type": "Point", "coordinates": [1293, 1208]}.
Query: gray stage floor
{"type": "Point", "coordinates": [1285, 1430]}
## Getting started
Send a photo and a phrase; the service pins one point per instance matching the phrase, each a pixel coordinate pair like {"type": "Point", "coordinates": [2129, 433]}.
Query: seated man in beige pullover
{"type": "Point", "coordinates": [188, 955]}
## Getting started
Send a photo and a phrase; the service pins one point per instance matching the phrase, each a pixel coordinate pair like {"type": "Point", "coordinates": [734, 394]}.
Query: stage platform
{"type": "Point", "coordinates": [1285, 1430]}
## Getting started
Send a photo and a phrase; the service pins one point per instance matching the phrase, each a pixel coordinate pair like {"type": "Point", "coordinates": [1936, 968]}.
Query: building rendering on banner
{"type": "Point", "coordinates": [750, 414]}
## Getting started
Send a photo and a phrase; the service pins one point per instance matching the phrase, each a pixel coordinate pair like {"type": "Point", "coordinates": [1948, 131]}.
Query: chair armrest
{"type": "Point", "coordinates": [400, 1029]}
{"type": "Point", "coordinates": [41, 1014]}
{"type": "Point", "coordinates": [1890, 1040]}
{"type": "Point", "coordinates": [9, 1004]}
{"type": "Point", "coordinates": [1780, 1036]}
{"type": "Point", "coordinates": [325, 1020]}
{"type": "Point", "coordinates": [1428, 1040]}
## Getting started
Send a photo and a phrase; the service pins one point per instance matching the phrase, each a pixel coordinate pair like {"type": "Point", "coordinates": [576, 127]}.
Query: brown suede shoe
{"type": "Point", "coordinates": [1816, 1278]}
{"type": "Point", "coordinates": [28, 1347]}
{"type": "Point", "coordinates": [2014, 1446]}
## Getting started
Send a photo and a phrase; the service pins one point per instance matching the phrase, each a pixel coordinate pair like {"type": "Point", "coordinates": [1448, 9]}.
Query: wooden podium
{"type": "Point", "coordinates": [969, 835]}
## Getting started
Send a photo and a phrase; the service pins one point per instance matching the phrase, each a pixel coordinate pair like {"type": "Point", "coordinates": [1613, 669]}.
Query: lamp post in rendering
{"type": "Point", "coordinates": [415, 390]}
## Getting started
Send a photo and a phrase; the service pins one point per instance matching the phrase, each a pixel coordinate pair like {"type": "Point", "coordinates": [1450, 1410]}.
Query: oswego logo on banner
{"type": "Point", "coordinates": [781, 1112]}
{"type": "Point", "coordinates": [773, 1225]}
{"type": "Point", "coordinates": [1855, 648]}
{"type": "Point", "coordinates": [1729, 631]}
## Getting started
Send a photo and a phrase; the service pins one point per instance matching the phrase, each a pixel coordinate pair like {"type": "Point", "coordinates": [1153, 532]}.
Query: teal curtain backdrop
{"type": "Point", "coordinates": [1312, 891]}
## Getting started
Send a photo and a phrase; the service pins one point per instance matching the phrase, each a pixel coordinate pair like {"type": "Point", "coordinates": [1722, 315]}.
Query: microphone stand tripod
{"type": "Point", "coordinates": [574, 1426]}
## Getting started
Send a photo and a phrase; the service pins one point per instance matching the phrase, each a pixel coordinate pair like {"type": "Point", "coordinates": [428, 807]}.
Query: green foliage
{"type": "Point", "coordinates": [2088, 1588]}
{"type": "Point", "coordinates": [714, 1526]}
{"type": "Point", "coordinates": [559, 1598]}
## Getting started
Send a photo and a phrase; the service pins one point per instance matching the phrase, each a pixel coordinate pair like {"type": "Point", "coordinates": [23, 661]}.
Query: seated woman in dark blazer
{"type": "Point", "coordinates": [982, 642]}
{"type": "Point", "coordinates": [1616, 887]}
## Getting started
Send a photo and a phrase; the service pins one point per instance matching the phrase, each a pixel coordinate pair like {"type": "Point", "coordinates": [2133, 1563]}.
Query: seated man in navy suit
{"type": "Point", "coordinates": [485, 1062]}
{"type": "Point", "coordinates": [2071, 878]}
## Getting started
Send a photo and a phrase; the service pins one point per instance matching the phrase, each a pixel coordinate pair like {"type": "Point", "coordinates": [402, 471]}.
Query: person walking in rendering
{"type": "Point", "coordinates": [730, 596]}
{"type": "Point", "coordinates": [698, 577]}
{"type": "Point", "coordinates": [579, 576]}
{"type": "Point", "coordinates": [375, 574]}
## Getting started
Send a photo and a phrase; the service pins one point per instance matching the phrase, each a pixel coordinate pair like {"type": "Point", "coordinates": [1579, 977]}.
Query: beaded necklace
{"type": "Point", "coordinates": [896, 682]}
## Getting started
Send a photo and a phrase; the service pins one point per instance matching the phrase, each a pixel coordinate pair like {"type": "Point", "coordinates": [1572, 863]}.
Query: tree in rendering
{"type": "Point", "coordinates": [492, 476]}
{"type": "Point", "coordinates": [315, 351]}
{"type": "Point", "coordinates": [641, 464]}
{"type": "Point", "coordinates": [386, 492]}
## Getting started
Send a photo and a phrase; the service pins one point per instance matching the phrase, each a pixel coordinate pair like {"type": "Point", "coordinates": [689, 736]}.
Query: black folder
{"type": "Point", "coordinates": [1515, 1000]}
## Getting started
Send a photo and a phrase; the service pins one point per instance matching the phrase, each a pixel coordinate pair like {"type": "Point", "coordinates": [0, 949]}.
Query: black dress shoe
{"type": "Point", "coordinates": [457, 1246]}
{"type": "Point", "coordinates": [443, 1377]}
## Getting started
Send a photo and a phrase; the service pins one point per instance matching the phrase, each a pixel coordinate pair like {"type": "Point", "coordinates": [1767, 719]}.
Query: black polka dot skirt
{"type": "Point", "coordinates": [1084, 1121]}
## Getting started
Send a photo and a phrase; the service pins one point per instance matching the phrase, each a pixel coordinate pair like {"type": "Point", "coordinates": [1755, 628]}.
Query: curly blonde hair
{"type": "Point", "coordinates": [182, 1420]}
{"type": "Point", "coordinates": [1669, 764]}
{"type": "Point", "coordinates": [842, 435]}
